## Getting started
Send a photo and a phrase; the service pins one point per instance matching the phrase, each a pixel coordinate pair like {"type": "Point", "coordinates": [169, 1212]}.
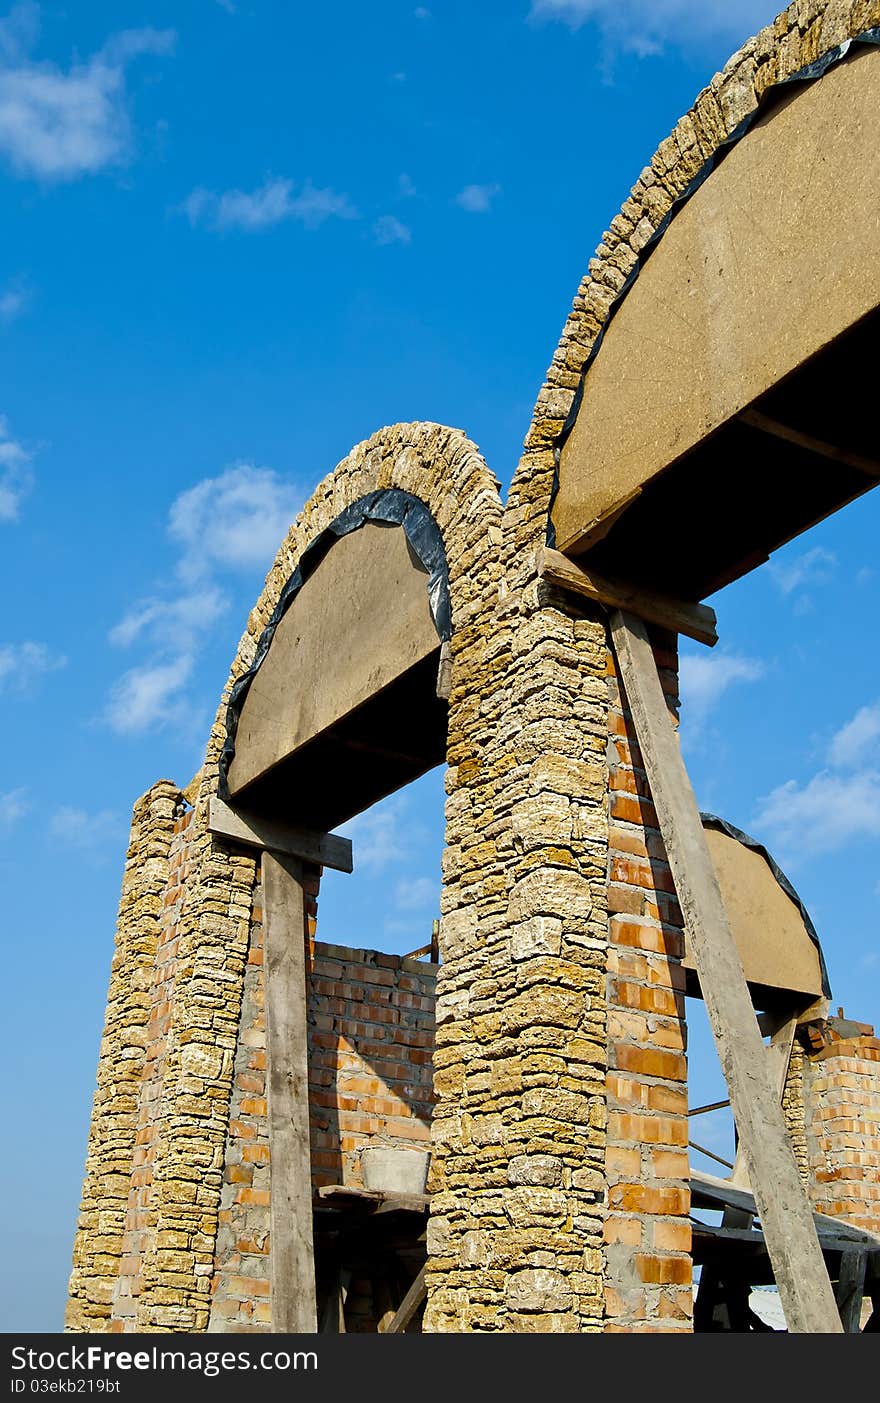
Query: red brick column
{"type": "Point", "coordinates": [647, 1232]}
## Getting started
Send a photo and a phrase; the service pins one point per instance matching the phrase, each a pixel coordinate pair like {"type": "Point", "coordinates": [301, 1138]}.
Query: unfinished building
{"type": "Point", "coordinates": [294, 1136]}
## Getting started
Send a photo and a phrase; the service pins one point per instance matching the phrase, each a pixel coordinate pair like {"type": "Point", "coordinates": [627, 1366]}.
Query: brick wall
{"type": "Point", "coordinates": [841, 1099]}
{"type": "Point", "coordinates": [371, 1036]}
{"type": "Point", "coordinates": [647, 1232]}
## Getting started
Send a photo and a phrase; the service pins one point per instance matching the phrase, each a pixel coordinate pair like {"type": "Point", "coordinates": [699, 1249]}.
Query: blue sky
{"type": "Point", "coordinates": [237, 239]}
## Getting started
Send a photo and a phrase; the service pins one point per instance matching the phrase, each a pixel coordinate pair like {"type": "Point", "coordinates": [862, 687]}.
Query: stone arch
{"type": "Point", "coordinates": [563, 1073]}
{"type": "Point", "coordinates": [159, 1144]}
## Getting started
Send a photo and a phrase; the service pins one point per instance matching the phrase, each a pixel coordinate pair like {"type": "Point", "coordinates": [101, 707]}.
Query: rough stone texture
{"type": "Point", "coordinates": [98, 1247]}
{"type": "Point", "coordinates": [521, 1151]}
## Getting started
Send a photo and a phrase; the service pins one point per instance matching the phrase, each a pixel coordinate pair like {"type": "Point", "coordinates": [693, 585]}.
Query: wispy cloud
{"type": "Point", "coordinates": [237, 519]}
{"type": "Point", "coordinates": [14, 301]}
{"type": "Point", "coordinates": [232, 522]}
{"type": "Point", "coordinates": [16, 476]}
{"type": "Point", "coordinates": [416, 893]}
{"type": "Point", "coordinates": [824, 814]}
{"type": "Point", "coordinates": [405, 186]}
{"type": "Point", "coordinates": [180, 620]}
{"type": "Point", "coordinates": [840, 803]}
{"type": "Point", "coordinates": [382, 836]}
{"type": "Point", "coordinates": [855, 742]}
{"type": "Point", "coordinates": [150, 697]}
{"type": "Point", "coordinates": [705, 677]}
{"type": "Point", "coordinates": [646, 27]}
{"type": "Point", "coordinates": [14, 804]}
{"type": "Point", "coordinates": [91, 835]}
{"type": "Point", "coordinates": [388, 230]}
{"type": "Point", "coordinates": [273, 202]}
{"type": "Point", "coordinates": [422, 12]}
{"type": "Point", "coordinates": [814, 567]}
{"type": "Point", "coordinates": [22, 665]}
{"type": "Point", "coordinates": [477, 199]}
{"type": "Point", "coordinates": [59, 124]}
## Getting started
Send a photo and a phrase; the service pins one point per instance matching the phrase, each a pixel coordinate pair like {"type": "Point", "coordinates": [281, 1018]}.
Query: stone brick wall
{"type": "Point", "coordinates": [520, 1136]}
{"type": "Point", "coordinates": [647, 1231]}
{"type": "Point", "coordinates": [370, 1035]}
{"type": "Point", "coordinates": [101, 1226]}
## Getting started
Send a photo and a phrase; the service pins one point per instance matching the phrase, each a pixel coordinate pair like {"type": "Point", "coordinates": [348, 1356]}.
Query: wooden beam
{"type": "Point", "coordinates": [792, 1244]}
{"type": "Point", "coordinates": [756, 420]}
{"type": "Point", "coordinates": [695, 620]}
{"type": "Point", "coordinates": [708, 1191]}
{"type": "Point", "coordinates": [409, 1305]}
{"type": "Point", "coordinates": [851, 1289]}
{"type": "Point", "coordinates": [254, 831]}
{"type": "Point", "coordinates": [291, 1247]}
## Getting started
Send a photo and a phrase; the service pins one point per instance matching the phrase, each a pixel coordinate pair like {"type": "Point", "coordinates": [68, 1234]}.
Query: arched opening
{"type": "Point", "coordinates": [345, 704]}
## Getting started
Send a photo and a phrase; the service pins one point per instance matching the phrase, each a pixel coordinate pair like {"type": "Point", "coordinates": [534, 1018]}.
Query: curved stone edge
{"type": "Point", "coordinates": [800, 35]}
{"type": "Point", "coordinates": [443, 469]}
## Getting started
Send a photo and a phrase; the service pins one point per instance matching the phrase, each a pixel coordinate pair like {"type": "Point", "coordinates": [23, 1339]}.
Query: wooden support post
{"type": "Point", "coordinates": [409, 1305]}
{"type": "Point", "coordinates": [851, 1289]}
{"type": "Point", "coordinates": [291, 1247]}
{"type": "Point", "coordinates": [793, 1246]}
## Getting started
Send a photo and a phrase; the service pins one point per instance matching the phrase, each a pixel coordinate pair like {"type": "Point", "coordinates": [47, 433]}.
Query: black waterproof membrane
{"type": "Point", "coordinates": [389, 505]}
{"type": "Point", "coordinates": [713, 821]}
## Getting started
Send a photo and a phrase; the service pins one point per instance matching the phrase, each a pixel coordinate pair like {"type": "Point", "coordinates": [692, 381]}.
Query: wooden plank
{"type": "Point", "coordinates": [695, 620]}
{"type": "Point", "coordinates": [798, 1265]}
{"type": "Point", "coordinates": [778, 1054]}
{"type": "Point", "coordinates": [239, 826]}
{"type": "Point", "coordinates": [708, 1191]}
{"type": "Point", "coordinates": [756, 420]}
{"type": "Point", "coordinates": [851, 1289]}
{"type": "Point", "coordinates": [409, 1305]}
{"type": "Point", "coordinates": [292, 1255]}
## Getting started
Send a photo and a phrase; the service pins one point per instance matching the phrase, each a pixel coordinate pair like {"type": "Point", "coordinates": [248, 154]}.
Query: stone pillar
{"type": "Point", "coordinates": [98, 1247]}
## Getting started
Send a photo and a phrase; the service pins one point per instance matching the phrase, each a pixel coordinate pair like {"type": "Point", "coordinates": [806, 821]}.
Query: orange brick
{"type": "Point", "coordinates": [671, 1164]}
{"type": "Point", "coordinates": [661, 1271]}
{"type": "Point", "coordinates": [628, 1230]}
{"type": "Point", "coordinates": [672, 1237]}
{"type": "Point", "coordinates": [626, 1162]}
{"type": "Point", "coordinates": [651, 1062]}
{"type": "Point", "coordinates": [640, 1198]}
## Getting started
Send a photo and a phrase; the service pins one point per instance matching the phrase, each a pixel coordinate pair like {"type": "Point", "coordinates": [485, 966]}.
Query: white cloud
{"type": "Point", "coordinates": [823, 815]}
{"type": "Point", "coordinates": [59, 124]}
{"type": "Point", "coordinates": [814, 567]}
{"type": "Point", "coordinates": [13, 302]}
{"type": "Point", "coordinates": [14, 804]}
{"type": "Point", "coordinates": [705, 677]}
{"type": "Point", "coordinates": [405, 186]}
{"type": "Point", "coordinates": [16, 477]}
{"type": "Point", "coordinates": [644, 27]}
{"type": "Point", "coordinates": [416, 893]}
{"type": "Point", "coordinates": [85, 832]}
{"type": "Point", "coordinates": [388, 230]}
{"type": "Point", "coordinates": [477, 199]}
{"type": "Point", "coordinates": [381, 836]}
{"type": "Point", "coordinates": [421, 12]}
{"type": "Point", "coordinates": [177, 622]}
{"type": "Point", "coordinates": [22, 664]}
{"type": "Point", "coordinates": [273, 202]}
{"type": "Point", "coordinates": [855, 741]}
{"type": "Point", "coordinates": [149, 696]}
{"type": "Point", "coordinates": [236, 520]}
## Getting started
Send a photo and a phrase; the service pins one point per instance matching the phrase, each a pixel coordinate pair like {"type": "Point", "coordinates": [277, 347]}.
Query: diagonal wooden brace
{"type": "Point", "coordinates": [792, 1244]}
